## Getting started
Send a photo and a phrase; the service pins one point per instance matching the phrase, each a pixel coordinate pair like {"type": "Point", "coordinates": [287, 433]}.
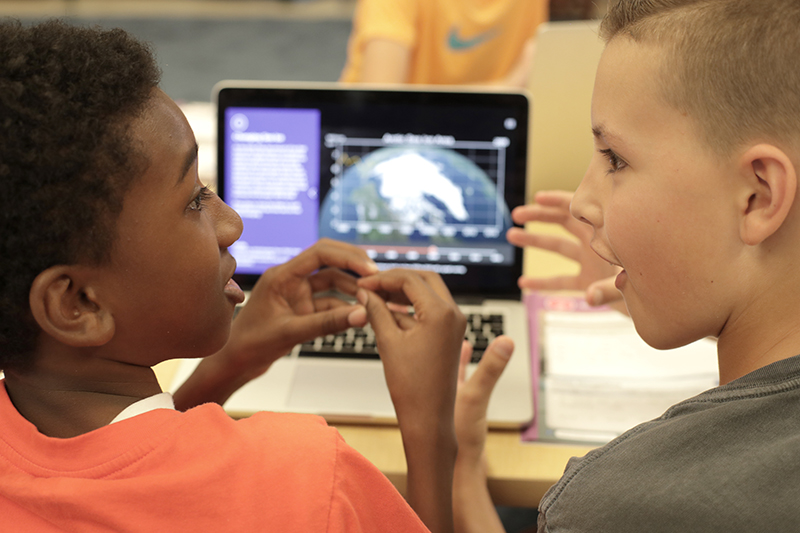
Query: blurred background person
{"type": "Point", "coordinates": [452, 42]}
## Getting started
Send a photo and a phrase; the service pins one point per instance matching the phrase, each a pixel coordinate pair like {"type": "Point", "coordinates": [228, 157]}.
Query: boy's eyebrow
{"type": "Point", "coordinates": [600, 132]}
{"type": "Point", "coordinates": [191, 157]}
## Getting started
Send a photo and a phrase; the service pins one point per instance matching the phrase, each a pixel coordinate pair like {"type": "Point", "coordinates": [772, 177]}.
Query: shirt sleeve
{"type": "Point", "coordinates": [363, 499]}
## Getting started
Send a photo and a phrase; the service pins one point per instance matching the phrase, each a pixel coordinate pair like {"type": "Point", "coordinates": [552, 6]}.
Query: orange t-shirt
{"type": "Point", "coordinates": [196, 471]}
{"type": "Point", "coordinates": [451, 41]}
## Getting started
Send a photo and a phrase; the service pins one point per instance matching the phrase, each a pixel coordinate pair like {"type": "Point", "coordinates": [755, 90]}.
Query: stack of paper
{"type": "Point", "coordinates": [598, 378]}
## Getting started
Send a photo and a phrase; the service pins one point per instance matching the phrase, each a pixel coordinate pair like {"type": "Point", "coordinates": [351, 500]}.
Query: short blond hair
{"type": "Point", "coordinates": [732, 65]}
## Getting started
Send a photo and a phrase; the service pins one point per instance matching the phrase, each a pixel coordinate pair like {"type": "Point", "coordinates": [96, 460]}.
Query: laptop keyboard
{"type": "Point", "coordinates": [360, 342]}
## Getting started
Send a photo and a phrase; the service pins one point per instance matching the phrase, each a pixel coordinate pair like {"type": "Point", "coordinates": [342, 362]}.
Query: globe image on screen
{"type": "Point", "coordinates": [413, 192]}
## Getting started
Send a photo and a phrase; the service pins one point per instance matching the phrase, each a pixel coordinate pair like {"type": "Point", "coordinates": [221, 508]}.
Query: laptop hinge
{"type": "Point", "coordinates": [469, 299]}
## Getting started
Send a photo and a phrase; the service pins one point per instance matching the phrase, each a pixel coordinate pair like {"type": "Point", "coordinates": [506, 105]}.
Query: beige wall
{"type": "Point", "coordinates": [318, 9]}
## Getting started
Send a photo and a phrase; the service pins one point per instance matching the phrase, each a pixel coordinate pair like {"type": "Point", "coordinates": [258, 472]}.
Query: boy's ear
{"type": "Point", "coordinates": [770, 186]}
{"type": "Point", "coordinates": [68, 311]}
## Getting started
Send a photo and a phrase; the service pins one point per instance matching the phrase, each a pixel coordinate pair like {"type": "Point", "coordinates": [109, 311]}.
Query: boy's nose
{"type": "Point", "coordinates": [585, 202]}
{"type": "Point", "coordinates": [229, 225]}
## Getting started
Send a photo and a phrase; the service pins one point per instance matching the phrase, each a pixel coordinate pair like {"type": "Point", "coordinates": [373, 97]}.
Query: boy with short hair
{"type": "Point", "coordinates": [693, 194]}
{"type": "Point", "coordinates": [114, 257]}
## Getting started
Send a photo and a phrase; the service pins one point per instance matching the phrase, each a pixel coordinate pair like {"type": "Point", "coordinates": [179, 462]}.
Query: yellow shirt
{"type": "Point", "coordinates": [451, 41]}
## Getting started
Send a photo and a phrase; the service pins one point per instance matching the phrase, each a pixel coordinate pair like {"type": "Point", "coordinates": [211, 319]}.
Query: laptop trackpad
{"type": "Point", "coordinates": [357, 390]}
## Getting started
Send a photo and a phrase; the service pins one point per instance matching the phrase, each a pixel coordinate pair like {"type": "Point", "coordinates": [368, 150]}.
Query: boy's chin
{"type": "Point", "coordinates": [211, 344]}
{"type": "Point", "coordinates": [214, 347]}
{"type": "Point", "coordinates": [660, 339]}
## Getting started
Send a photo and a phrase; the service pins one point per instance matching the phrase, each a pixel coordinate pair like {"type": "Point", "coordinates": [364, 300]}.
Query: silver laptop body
{"type": "Point", "coordinates": [418, 177]}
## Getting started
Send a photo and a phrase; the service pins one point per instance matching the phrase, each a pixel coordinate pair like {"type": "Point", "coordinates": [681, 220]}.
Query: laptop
{"type": "Point", "coordinates": [420, 178]}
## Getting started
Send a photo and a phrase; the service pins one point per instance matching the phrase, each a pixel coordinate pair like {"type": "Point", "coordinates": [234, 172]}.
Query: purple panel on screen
{"type": "Point", "coordinates": [273, 182]}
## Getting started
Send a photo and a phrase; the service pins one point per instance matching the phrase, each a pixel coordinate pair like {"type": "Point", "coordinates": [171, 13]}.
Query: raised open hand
{"type": "Point", "coordinates": [596, 276]}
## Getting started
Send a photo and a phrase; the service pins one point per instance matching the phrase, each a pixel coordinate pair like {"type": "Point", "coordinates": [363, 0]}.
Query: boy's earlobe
{"type": "Point", "coordinates": [68, 311]}
{"type": "Point", "coordinates": [771, 186]}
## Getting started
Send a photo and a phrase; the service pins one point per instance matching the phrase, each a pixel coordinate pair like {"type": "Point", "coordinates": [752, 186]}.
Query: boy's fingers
{"type": "Point", "coordinates": [417, 286]}
{"type": "Point", "coordinates": [357, 318]}
{"type": "Point", "coordinates": [558, 283]}
{"type": "Point", "coordinates": [332, 278]}
{"type": "Point", "coordinates": [378, 313]}
{"type": "Point", "coordinates": [398, 308]}
{"type": "Point", "coordinates": [403, 320]}
{"type": "Point", "coordinates": [326, 303]}
{"type": "Point", "coordinates": [491, 366]}
{"type": "Point", "coordinates": [556, 198]}
{"type": "Point", "coordinates": [554, 243]}
{"type": "Point", "coordinates": [325, 322]}
{"type": "Point", "coordinates": [327, 252]}
{"type": "Point", "coordinates": [603, 292]}
{"type": "Point", "coordinates": [540, 213]}
{"type": "Point", "coordinates": [466, 355]}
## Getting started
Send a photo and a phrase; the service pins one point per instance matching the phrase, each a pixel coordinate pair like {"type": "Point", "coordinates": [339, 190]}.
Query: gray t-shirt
{"type": "Point", "coordinates": [727, 460]}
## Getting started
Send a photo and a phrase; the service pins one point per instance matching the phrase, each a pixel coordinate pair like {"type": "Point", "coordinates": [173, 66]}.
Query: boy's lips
{"type": "Point", "coordinates": [234, 292]}
{"type": "Point", "coordinates": [232, 289]}
{"type": "Point", "coordinates": [622, 277]}
{"type": "Point", "coordinates": [604, 258]}
{"type": "Point", "coordinates": [619, 281]}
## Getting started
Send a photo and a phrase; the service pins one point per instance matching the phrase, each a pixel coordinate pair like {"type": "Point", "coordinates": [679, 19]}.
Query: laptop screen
{"type": "Point", "coordinates": [421, 179]}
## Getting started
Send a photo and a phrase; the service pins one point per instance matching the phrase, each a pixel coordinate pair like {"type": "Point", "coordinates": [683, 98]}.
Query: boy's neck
{"type": "Point", "coordinates": [73, 393]}
{"type": "Point", "coordinates": [763, 334]}
{"type": "Point", "coordinates": [763, 326]}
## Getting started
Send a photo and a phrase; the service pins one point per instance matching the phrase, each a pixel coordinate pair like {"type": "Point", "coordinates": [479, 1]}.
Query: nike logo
{"type": "Point", "coordinates": [457, 43]}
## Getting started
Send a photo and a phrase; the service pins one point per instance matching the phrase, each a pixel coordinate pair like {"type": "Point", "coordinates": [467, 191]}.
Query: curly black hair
{"type": "Point", "coordinates": [68, 95]}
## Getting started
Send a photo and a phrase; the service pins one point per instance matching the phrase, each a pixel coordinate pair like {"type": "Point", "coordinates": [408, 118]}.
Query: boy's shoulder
{"type": "Point", "coordinates": [268, 441]}
{"type": "Point", "coordinates": [266, 425]}
{"type": "Point", "coordinates": [729, 448]}
{"type": "Point", "coordinates": [164, 437]}
{"type": "Point", "coordinates": [300, 465]}
{"type": "Point", "coordinates": [169, 470]}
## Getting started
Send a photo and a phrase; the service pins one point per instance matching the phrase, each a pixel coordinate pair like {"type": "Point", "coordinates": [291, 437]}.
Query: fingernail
{"type": "Point", "coordinates": [373, 267]}
{"type": "Point", "coordinates": [357, 317]}
{"type": "Point", "coordinates": [362, 297]}
{"type": "Point", "coordinates": [596, 297]}
{"type": "Point", "coordinates": [504, 347]}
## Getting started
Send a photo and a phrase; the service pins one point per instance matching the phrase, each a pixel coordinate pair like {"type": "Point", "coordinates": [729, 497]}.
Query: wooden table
{"type": "Point", "coordinates": [519, 473]}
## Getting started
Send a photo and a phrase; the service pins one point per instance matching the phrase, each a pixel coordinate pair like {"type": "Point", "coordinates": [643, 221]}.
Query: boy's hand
{"type": "Point", "coordinates": [473, 509]}
{"type": "Point", "coordinates": [596, 276]}
{"type": "Point", "coordinates": [280, 313]}
{"type": "Point", "coordinates": [420, 360]}
{"type": "Point", "coordinates": [472, 398]}
{"type": "Point", "coordinates": [282, 310]}
{"type": "Point", "coordinates": [419, 351]}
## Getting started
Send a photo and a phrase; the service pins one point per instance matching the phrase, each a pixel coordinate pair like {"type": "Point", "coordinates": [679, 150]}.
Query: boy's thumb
{"type": "Point", "coordinates": [493, 362]}
{"type": "Point", "coordinates": [378, 313]}
{"type": "Point", "coordinates": [602, 292]}
{"type": "Point", "coordinates": [323, 323]}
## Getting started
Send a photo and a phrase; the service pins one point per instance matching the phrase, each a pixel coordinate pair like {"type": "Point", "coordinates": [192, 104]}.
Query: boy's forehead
{"type": "Point", "coordinates": [630, 112]}
{"type": "Point", "coordinates": [626, 84]}
{"type": "Point", "coordinates": [624, 55]}
{"type": "Point", "coordinates": [162, 117]}
{"type": "Point", "coordinates": [164, 135]}
{"type": "Point", "coordinates": [165, 140]}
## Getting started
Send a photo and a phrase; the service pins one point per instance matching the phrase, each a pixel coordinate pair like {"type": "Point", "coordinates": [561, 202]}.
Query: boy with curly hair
{"type": "Point", "coordinates": [114, 257]}
{"type": "Point", "coordinates": [693, 194]}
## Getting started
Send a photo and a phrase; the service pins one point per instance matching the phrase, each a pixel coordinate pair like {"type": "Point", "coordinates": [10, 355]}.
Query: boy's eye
{"type": "Point", "coordinates": [198, 201]}
{"type": "Point", "coordinates": [614, 161]}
